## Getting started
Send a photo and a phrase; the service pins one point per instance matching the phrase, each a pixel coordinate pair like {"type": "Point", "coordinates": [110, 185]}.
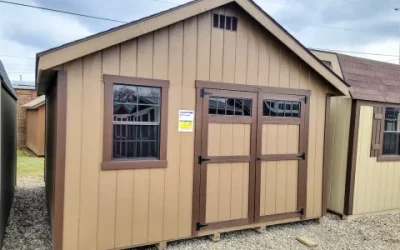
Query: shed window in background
{"type": "Point", "coordinates": [391, 133]}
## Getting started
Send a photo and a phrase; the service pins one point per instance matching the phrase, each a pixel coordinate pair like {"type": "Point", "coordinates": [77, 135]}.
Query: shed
{"type": "Point", "coordinates": [363, 139]}
{"type": "Point", "coordinates": [125, 166]}
{"type": "Point", "coordinates": [8, 148]}
{"type": "Point", "coordinates": [35, 124]}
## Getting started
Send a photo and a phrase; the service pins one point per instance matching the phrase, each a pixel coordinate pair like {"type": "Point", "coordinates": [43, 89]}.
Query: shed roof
{"type": "Point", "coordinates": [371, 80]}
{"type": "Point", "coordinates": [36, 103]}
{"type": "Point", "coordinates": [6, 81]}
{"type": "Point", "coordinates": [57, 56]}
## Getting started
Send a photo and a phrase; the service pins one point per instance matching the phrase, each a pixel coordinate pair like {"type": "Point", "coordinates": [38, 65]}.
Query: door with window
{"type": "Point", "coordinates": [281, 157]}
{"type": "Point", "coordinates": [251, 164]}
{"type": "Point", "coordinates": [227, 158]}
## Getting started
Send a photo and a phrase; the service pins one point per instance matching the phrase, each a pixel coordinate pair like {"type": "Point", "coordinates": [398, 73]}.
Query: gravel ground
{"type": "Point", "coordinates": [29, 229]}
{"type": "Point", "coordinates": [28, 225]}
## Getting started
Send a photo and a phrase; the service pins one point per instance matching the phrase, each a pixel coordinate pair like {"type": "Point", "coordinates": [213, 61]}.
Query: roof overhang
{"type": "Point", "coordinates": [48, 59]}
{"type": "Point", "coordinates": [36, 103]}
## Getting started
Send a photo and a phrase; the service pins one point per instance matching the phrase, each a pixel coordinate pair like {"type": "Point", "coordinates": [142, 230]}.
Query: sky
{"type": "Point", "coordinates": [369, 26]}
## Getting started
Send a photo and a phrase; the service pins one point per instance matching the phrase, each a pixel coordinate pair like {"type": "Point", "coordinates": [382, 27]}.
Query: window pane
{"type": "Point", "coordinates": [239, 106]}
{"type": "Point", "coordinates": [392, 119]}
{"type": "Point", "coordinates": [229, 106]}
{"type": "Point", "coordinates": [221, 106]}
{"type": "Point", "coordinates": [390, 144]}
{"type": "Point", "coordinates": [267, 108]}
{"type": "Point", "coordinates": [150, 96]}
{"type": "Point", "coordinates": [273, 108]}
{"type": "Point", "coordinates": [135, 141]}
{"type": "Point", "coordinates": [234, 23]}
{"type": "Point", "coordinates": [216, 19]}
{"type": "Point", "coordinates": [222, 21]}
{"type": "Point", "coordinates": [247, 107]}
{"type": "Point", "coordinates": [146, 113]}
{"type": "Point", "coordinates": [228, 23]}
{"type": "Point", "coordinates": [212, 105]}
{"type": "Point", "coordinates": [125, 94]}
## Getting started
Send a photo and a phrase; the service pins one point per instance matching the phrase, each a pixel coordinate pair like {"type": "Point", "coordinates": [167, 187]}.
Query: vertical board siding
{"type": "Point", "coordinates": [377, 183]}
{"type": "Point", "coordinates": [340, 111]}
{"type": "Point", "coordinates": [117, 209]}
{"type": "Point", "coordinates": [73, 154]}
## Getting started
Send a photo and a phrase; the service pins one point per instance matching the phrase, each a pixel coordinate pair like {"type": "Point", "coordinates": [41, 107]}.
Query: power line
{"type": "Point", "coordinates": [355, 52]}
{"type": "Point", "coordinates": [162, 1]}
{"type": "Point", "coordinates": [62, 11]}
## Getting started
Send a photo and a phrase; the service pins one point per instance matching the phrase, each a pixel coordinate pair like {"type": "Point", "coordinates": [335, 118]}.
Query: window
{"type": "Point", "coordinates": [225, 22]}
{"type": "Point", "coordinates": [229, 106]}
{"type": "Point", "coordinates": [136, 124]}
{"type": "Point", "coordinates": [391, 132]}
{"type": "Point", "coordinates": [274, 108]}
{"type": "Point", "coordinates": [135, 113]}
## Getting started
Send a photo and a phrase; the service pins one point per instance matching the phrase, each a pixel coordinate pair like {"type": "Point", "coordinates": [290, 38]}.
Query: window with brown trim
{"type": "Point", "coordinates": [135, 113]}
{"type": "Point", "coordinates": [391, 133]}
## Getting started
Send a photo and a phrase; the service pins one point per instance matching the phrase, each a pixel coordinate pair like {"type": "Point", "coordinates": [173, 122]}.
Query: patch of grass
{"type": "Point", "coordinates": [29, 165]}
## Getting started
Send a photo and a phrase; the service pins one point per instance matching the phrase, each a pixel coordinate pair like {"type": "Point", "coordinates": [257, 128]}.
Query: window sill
{"type": "Point", "coordinates": [384, 158]}
{"type": "Point", "coordinates": [126, 165]}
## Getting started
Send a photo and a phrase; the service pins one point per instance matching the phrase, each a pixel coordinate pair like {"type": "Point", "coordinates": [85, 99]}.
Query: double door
{"type": "Point", "coordinates": [251, 157]}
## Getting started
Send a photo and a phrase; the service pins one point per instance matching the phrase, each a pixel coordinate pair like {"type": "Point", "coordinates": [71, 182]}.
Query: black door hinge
{"type": "Point", "coordinates": [304, 99]}
{"type": "Point", "coordinates": [302, 156]}
{"type": "Point", "coordinates": [301, 211]}
{"type": "Point", "coordinates": [204, 93]}
{"type": "Point", "coordinates": [201, 160]}
{"type": "Point", "coordinates": [199, 226]}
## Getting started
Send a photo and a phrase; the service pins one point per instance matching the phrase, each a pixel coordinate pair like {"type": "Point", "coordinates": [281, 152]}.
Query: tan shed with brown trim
{"type": "Point", "coordinates": [124, 174]}
{"type": "Point", "coordinates": [35, 125]}
{"type": "Point", "coordinates": [363, 144]}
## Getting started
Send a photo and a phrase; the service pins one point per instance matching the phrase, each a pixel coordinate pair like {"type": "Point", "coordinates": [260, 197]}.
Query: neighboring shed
{"type": "Point", "coordinates": [364, 139]}
{"type": "Point", "coordinates": [25, 92]}
{"type": "Point", "coordinates": [8, 148]}
{"type": "Point", "coordinates": [35, 125]}
{"type": "Point", "coordinates": [119, 173]}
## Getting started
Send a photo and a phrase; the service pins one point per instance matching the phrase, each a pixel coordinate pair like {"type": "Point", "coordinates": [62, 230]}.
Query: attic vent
{"type": "Point", "coordinates": [225, 22]}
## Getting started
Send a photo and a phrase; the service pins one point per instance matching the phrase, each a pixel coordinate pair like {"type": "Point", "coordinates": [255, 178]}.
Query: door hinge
{"type": "Point", "coordinates": [301, 211]}
{"type": "Point", "coordinates": [201, 160]}
{"type": "Point", "coordinates": [204, 93]}
{"type": "Point", "coordinates": [200, 226]}
{"type": "Point", "coordinates": [302, 156]}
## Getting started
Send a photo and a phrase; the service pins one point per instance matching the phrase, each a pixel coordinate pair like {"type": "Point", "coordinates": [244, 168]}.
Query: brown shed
{"type": "Point", "coordinates": [363, 139]}
{"type": "Point", "coordinates": [35, 125]}
{"type": "Point", "coordinates": [126, 167]}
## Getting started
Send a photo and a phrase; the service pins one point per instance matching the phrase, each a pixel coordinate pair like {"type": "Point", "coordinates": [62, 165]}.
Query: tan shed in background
{"type": "Point", "coordinates": [35, 125]}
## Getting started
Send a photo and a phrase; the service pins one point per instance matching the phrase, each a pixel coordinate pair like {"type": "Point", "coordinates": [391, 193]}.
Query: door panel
{"type": "Point", "coordinates": [227, 192]}
{"type": "Point", "coordinates": [280, 156]}
{"type": "Point", "coordinates": [228, 158]}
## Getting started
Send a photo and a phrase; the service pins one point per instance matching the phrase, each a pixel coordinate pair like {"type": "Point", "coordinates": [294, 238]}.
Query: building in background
{"type": "Point", "coordinates": [363, 142]}
{"type": "Point", "coordinates": [35, 125]}
{"type": "Point", "coordinates": [8, 148]}
{"type": "Point", "coordinates": [25, 92]}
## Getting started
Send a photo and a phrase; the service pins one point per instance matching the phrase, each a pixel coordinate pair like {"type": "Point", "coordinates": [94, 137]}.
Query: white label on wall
{"type": "Point", "coordinates": [186, 120]}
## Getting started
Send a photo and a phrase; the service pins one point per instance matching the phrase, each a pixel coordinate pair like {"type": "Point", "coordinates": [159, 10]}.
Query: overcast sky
{"type": "Point", "coordinates": [370, 26]}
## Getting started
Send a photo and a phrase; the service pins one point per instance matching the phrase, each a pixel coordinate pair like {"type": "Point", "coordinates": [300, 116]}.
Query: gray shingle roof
{"type": "Point", "coordinates": [6, 81]}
